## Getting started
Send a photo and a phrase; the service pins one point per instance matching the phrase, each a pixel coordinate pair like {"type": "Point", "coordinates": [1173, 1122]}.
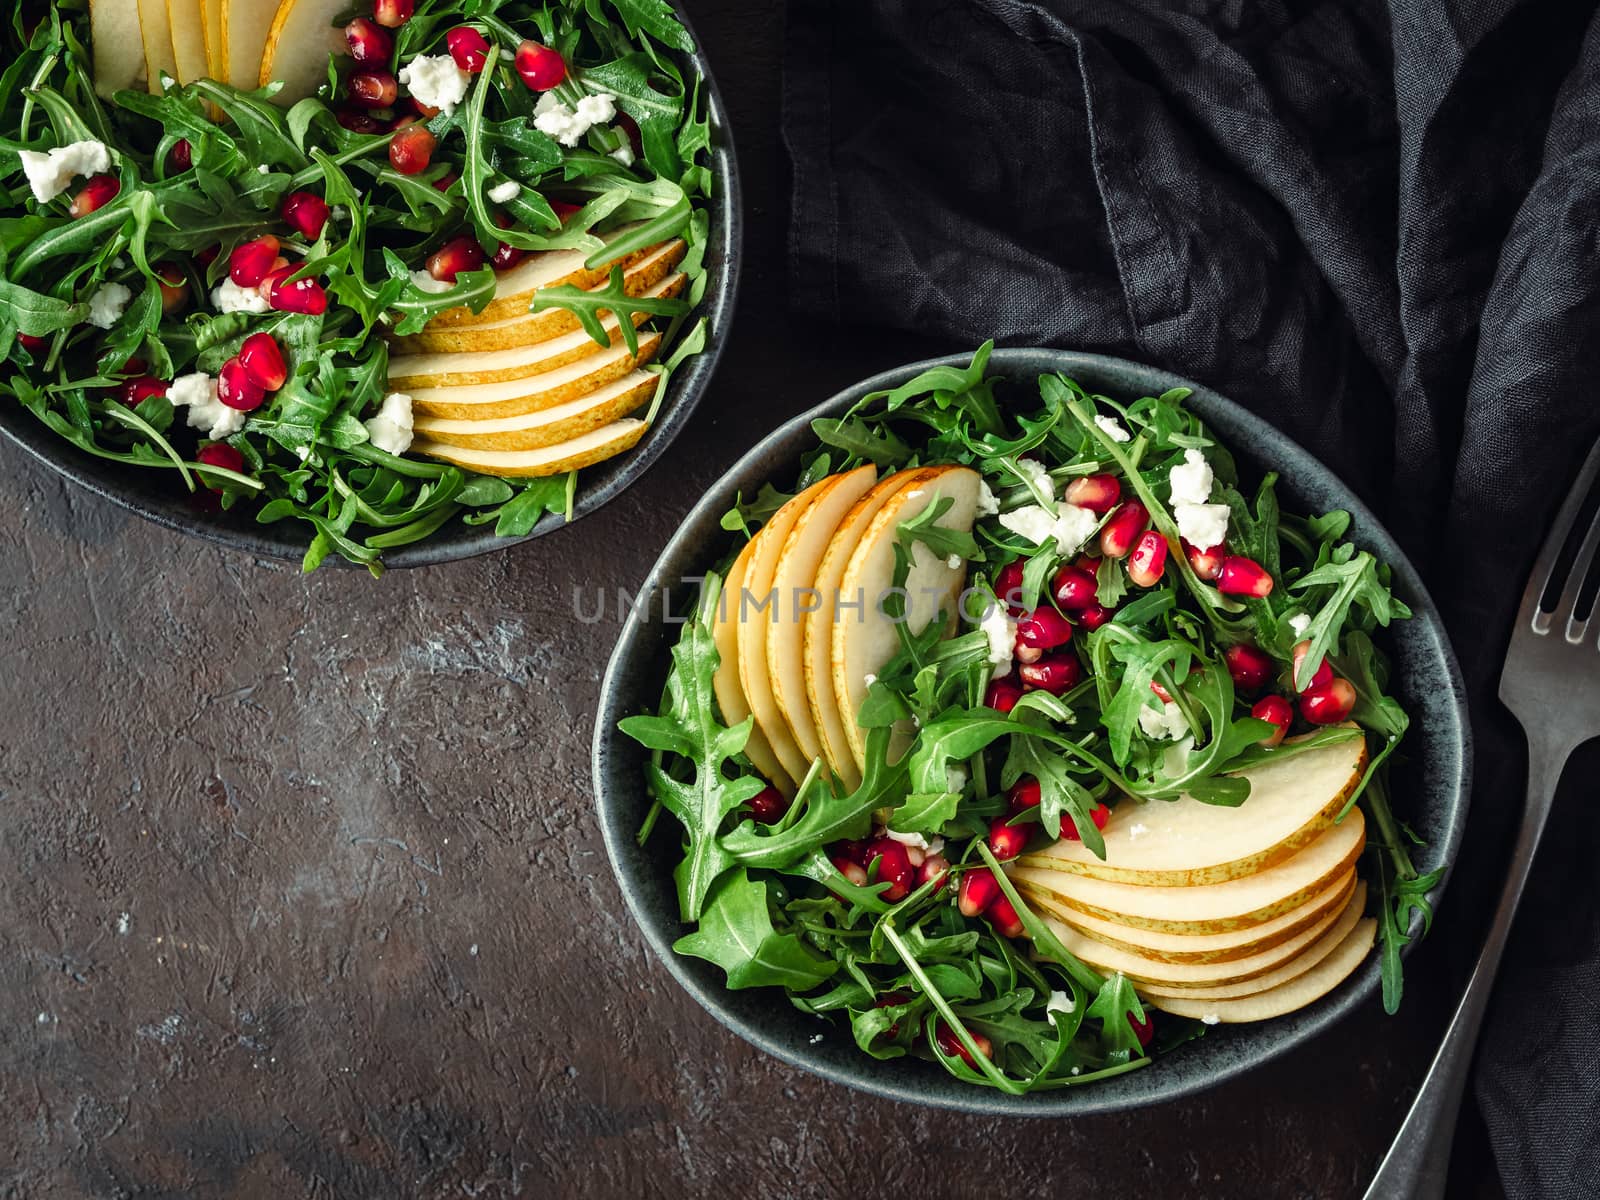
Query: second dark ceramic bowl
{"type": "Point", "coordinates": [1431, 786]}
{"type": "Point", "coordinates": [158, 497]}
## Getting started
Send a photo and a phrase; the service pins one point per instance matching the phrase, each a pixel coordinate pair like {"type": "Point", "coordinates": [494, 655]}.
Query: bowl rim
{"type": "Point", "coordinates": [687, 386]}
{"type": "Point", "coordinates": [1309, 1022]}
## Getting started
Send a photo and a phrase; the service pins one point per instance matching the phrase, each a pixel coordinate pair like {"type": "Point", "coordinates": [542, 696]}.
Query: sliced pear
{"type": "Point", "coordinates": [1210, 947]}
{"type": "Point", "coordinates": [211, 23]}
{"type": "Point", "coordinates": [1286, 997]}
{"type": "Point", "coordinates": [793, 581]}
{"type": "Point", "coordinates": [597, 446]}
{"type": "Point", "coordinates": [818, 631]}
{"type": "Point", "coordinates": [725, 682]}
{"type": "Point", "coordinates": [759, 604]}
{"type": "Point", "coordinates": [245, 24]}
{"type": "Point", "coordinates": [865, 639]}
{"type": "Point", "coordinates": [300, 39]}
{"type": "Point", "coordinates": [548, 426]}
{"type": "Point", "coordinates": [519, 397]}
{"type": "Point", "coordinates": [1212, 907]}
{"type": "Point", "coordinates": [186, 27]}
{"type": "Point", "coordinates": [1173, 843]}
{"type": "Point", "coordinates": [409, 371]}
{"type": "Point", "coordinates": [118, 44]}
{"type": "Point", "coordinates": [524, 329]}
{"type": "Point", "coordinates": [1337, 930]}
{"type": "Point", "coordinates": [158, 56]}
{"type": "Point", "coordinates": [514, 289]}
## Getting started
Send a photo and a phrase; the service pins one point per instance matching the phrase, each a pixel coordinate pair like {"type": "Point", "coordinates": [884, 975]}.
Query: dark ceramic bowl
{"type": "Point", "coordinates": [1432, 782]}
{"type": "Point", "coordinates": [156, 496]}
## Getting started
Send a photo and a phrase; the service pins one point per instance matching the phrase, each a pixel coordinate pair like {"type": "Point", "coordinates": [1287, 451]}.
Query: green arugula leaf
{"type": "Point", "coordinates": [736, 933]}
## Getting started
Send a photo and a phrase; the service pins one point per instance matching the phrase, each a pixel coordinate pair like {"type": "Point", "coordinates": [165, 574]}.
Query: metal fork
{"type": "Point", "coordinates": [1551, 684]}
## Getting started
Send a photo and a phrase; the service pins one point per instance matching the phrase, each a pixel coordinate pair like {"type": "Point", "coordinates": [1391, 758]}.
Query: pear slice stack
{"type": "Point", "coordinates": [1240, 914]}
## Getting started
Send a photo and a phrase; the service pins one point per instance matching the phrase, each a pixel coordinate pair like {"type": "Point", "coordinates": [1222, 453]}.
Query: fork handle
{"type": "Point", "coordinates": [1418, 1163]}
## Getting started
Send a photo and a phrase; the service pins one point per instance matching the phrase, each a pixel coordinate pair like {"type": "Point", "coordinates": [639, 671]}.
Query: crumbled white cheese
{"type": "Point", "coordinates": [263, 169]}
{"type": "Point", "coordinates": [1299, 623]}
{"type": "Point", "coordinates": [1060, 1002]}
{"type": "Point", "coordinates": [1113, 429]}
{"type": "Point", "coordinates": [428, 283]}
{"type": "Point", "coordinates": [229, 297]}
{"type": "Point", "coordinates": [49, 173]}
{"type": "Point", "coordinates": [1035, 472]}
{"type": "Point", "coordinates": [1071, 527]}
{"type": "Point", "coordinates": [1165, 721]}
{"type": "Point", "coordinates": [1031, 522]}
{"type": "Point", "coordinates": [1210, 1019]}
{"type": "Point", "coordinates": [1001, 631]}
{"type": "Point", "coordinates": [988, 502]}
{"type": "Point", "coordinates": [1137, 830]}
{"type": "Point", "coordinates": [1203, 526]}
{"type": "Point", "coordinates": [624, 155]}
{"type": "Point", "coordinates": [108, 303]}
{"type": "Point", "coordinates": [390, 430]}
{"type": "Point", "coordinates": [955, 777]}
{"type": "Point", "coordinates": [434, 80]}
{"type": "Point", "coordinates": [1076, 1070]}
{"type": "Point", "coordinates": [1191, 479]}
{"type": "Point", "coordinates": [915, 841]}
{"type": "Point", "coordinates": [502, 193]}
{"type": "Point", "coordinates": [954, 562]}
{"type": "Point", "coordinates": [868, 679]}
{"type": "Point", "coordinates": [567, 125]}
{"type": "Point", "coordinates": [199, 393]}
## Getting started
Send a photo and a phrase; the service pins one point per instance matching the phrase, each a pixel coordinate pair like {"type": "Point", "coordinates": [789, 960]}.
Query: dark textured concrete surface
{"type": "Point", "coordinates": [301, 893]}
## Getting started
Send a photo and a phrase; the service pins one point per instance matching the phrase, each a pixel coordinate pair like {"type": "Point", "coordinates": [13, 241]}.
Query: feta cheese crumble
{"type": "Point", "coordinates": [1036, 474]}
{"type": "Point", "coordinates": [108, 304]}
{"type": "Point", "coordinates": [1137, 830]}
{"type": "Point", "coordinates": [1299, 623]}
{"type": "Point", "coordinates": [1060, 1002]}
{"type": "Point", "coordinates": [198, 392]}
{"type": "Point", "coordinates": [229, 297]}
{"type": "Point", "coordinates": [953, 562]}
{"type": "Point", "coordinates": [434, 80]}
{"type": "Point", "coordinates": [1210, 1019]}
{"type": "Point", "coordinates": [1163, 722]}
{"type": "Point", "coordinates": [624, 155]}
{"type": "Point", "coordinates": [1203, 526]}
{"type": "Point", "coordinates": [429, 284]}
{"type": "Point", "coordinates": [50, 172]}
{"type": "Point", "coordinates": [988, 503]}
{"type": "Point", "coordinates": [568, 125]}
{"type": "Point", "coordinates": [501, 193]}
{"type": "Point", "coordinates": [1071, 527]}
{"type": "Point", "coordinates": [1113, 429]}
{"type": "Point", "coordinates": [1001, 631]}
{"type": "Point", "coordinates": [390, 430]}
{"type": "Point", "coordinates": [955, 777]}
{"type": "Point", "coordinates": [1191, 479]}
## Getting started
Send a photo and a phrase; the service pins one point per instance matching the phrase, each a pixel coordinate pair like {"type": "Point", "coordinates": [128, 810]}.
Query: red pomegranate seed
{"type": "Point", "coordinates": [182, 155]}
{"type": "Point", "coordinates": [392, 14]}
{"type": "Point", "coordinates": [357, 121]}
{"type": "Point", "coordinates": [1148, 559]}
{"type": "Point", "coordinates": [1007, 841]}
{"type": "Point", "coordinates": [1249, 666]}
{"type": "Point", "coordinates": [1023, 794]}
{"type": "Point", "coordinates": [1328, 704]}
{"type": "Point", "coordinates": [208, 255]}
{"type": "Point", "coordinates": [1043, 629]}
{"type": "Point", "coordinates": [1055, 673]}
{"type": "Point", "coordinates": [32, 343]}
{"type": "Point", "coordinates": [768, 805]}
{"type": "Point", "coordinates": [1123, 529]}
{"type": "Point", "coordinates": [1143, 1030]}
{"type": "Point", "coordinates": [1161, 693]}
{"type": "Point", "coordinates": [174, 287]}
{"type": "Point", "coordinates": [505, 257]}
{"type": "Point", "coordinates": [411, 150]}
{"type": "Point", "coordinates": [893, 868]}
{"type": "Point", "coordinates": [1008, 585]}
{"type": "Point", "coordinates": [249, 263]}
{"type": "Point", "coordinates": [220, 454]}
{"type": "Point", "coordinates": [236, 389]}
{"type": "Point", "coordinates": [370, 43]}
{"type": "Point", "coordinates": [455, 256]}
{"type": "Point", "coordinates": [950, 1045]}
{"type": "Point", "coordinates": [95, 195]}
{"type": "Point", "coordinates": [851, 851]}
{"type": "Point", "coordinates": [307, 213]}
{"type": "Point", "coordinates": [563, 210]}
{"type": "Point", "coordinates": [1003, 694]}
{"type": "Point", "coordinates": [1003, 916]}
{"type": "Point", "coordinates": [373, 89]}
{"type": "Point", "coordinates": [262, 360]}
{"type": "Point", "coordinates": [977, 891]}
{"type": "Point", "coordinates": [853, 872]}
{"type": "Point", "coordinates": [934, 869]}
{"type": "Point", "coordinates": [541, 68]}
{"type": "Point", "coordinates": [1098, 493]}
{"type": "Point", "coordinates": [137, 391]}
{"type": "Point", "coordinates": [1242, 577]}
{"type": "Point", "coordinates": [1074, 588]}
{"type": "Point", "coordinates": [1207, 564]}
{"type": "Point", "coordinates": [1321, 676]}
{"type": "Point", "coordinates": [1277, 710]}
{"type": "Point", "coordinates": [1094, 616]}
{"type": "Point", "coordinates": [299, 296]}
{"type": "Point", "coordinates": [468, 47]}
{"type": "Point", "coordinates": [892, 1000]}
{"type": "Point", "coordinates": [1099, 814]}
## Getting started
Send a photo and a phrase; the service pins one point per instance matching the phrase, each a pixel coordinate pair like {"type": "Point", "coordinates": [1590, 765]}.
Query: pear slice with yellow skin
{"type": "Point", "coordinates": [186, 27]}
{"type": "Point", "coordinates": [245, 25]}
{"type": "Point", "coordinates": [514, 289]}
{"type": "Point", "coordinates": [793, 582]}
{"type": "Point", "coordinates": [518, 397]}
{"type": "Point", "coordinates": [159, 58]}
{"type": "Point", "coordinates": [211, 24]}
{"type": "Point", "coordinates": [866, 639]}
{"type": "Point", "coordinates": [1288, 997]}
{"type": "Point", "coordinates": [1213, 907]}
{"type": "Point", "coordinates": [1174, 843]}
{"type": "Point", "coordinates": [118, 44]}
{"type": "Point", "coordinates": [818, 632]}
{"type": "Point", "coordinates": [408, 371]}
{"type": "Point", "coordinates": [299, 41]}
{"type": "Point", "coordinates": [758, 605]}
{"type": "Point", "coordinates": [596, 446]}
{"type": "Point", "coordinates": [525, 329]}
{"type": "Point", "coordinates": [725, 684]}
{"type": "Point", "coordinates": [547, 426]}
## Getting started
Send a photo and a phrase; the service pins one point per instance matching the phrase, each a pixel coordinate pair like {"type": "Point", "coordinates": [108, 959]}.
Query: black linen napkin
{"type": "Point", "coordinates": [1373, 224]}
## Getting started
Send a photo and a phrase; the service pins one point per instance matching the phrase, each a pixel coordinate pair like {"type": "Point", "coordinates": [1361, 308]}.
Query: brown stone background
{"type": "Point", "coordinates": [301, 893]}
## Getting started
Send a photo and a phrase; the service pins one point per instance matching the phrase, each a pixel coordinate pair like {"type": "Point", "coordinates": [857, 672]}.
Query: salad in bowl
{"type": "Point", "coordinates": [374, 274]}
{"type": "Point", "coordinates": [1022, 734]}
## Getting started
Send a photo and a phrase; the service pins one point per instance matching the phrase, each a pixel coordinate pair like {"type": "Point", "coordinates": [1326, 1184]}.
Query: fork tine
{"type": "Point", "coordinates": [1571, 593]}
{"type": "Point", "coordinates": [1539, 577]}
